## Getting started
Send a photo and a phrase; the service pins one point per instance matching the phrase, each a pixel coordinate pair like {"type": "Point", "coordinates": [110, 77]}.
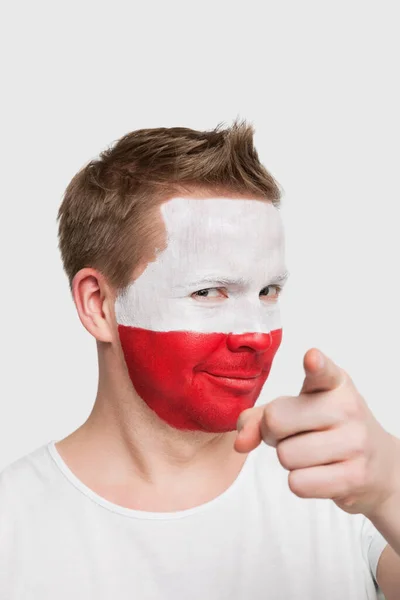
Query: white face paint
{"type": "Point", "coordinates": [234, 246]}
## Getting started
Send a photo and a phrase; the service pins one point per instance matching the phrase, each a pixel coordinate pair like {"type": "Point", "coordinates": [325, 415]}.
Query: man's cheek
{"type": "Point", "coordinates": [166, 353]}
{"type": "Point", "coordinates": [162, 368]}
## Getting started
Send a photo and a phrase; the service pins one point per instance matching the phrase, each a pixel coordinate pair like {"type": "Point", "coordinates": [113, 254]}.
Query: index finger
{"type": "Point", "coordinates": [322, 374]}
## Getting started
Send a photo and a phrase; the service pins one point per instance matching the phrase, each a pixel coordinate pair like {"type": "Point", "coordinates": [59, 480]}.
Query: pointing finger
{"type": "Point", "coordinates": [321, 373]}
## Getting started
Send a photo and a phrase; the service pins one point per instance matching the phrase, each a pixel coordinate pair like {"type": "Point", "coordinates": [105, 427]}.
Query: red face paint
{"type": "Point", "coordinates": [198, 381]}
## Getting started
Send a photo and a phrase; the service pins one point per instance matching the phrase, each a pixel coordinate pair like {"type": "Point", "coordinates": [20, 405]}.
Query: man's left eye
{"type": "Point", "coordinates": [209, 293]}
{"type": "Point", "coordinates": [271, 291]}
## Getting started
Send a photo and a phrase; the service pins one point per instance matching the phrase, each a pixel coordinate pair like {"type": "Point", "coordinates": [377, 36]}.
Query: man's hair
{"type": "Point", "coordinates": [108, 219]}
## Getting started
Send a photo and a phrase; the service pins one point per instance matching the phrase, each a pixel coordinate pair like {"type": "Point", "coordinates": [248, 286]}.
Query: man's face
{"type": "Point", "coordinates": [200, 326]}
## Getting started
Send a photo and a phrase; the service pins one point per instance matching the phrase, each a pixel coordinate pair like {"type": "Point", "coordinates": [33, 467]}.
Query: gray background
{"type": "Point", "coordinates": [318, 81]}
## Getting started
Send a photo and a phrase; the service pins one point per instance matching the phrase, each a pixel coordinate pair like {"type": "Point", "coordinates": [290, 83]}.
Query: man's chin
{"type": "Point", "coordinates": [219, 417]}
{"type": "Point", "coordinates": [210, 409]}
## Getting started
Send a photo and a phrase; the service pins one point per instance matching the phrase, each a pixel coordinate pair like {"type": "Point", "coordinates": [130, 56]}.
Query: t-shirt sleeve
{"type": "Point", "coordinates": [373, 543]}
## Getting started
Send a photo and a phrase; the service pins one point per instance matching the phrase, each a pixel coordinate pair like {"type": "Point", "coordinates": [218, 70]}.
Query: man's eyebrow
{"type": "Point", "coordinates": [280, 278]}
{"type": "Point", "coordinates": [218, 280]}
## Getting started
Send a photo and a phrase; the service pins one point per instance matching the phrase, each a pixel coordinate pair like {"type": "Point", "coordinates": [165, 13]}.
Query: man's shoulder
{"type": "Point", "coordinates": [25, 479]}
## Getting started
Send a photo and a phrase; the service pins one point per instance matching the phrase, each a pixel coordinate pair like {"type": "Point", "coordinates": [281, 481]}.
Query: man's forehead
{"type": "Point", "coordinates": [215, 242]}
{"type": "Point", "coordinates": [223, 217]}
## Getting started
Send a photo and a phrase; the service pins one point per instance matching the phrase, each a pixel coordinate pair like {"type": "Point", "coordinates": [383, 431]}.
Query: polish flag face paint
{"type": "Point", "coordinates": [199, 328]}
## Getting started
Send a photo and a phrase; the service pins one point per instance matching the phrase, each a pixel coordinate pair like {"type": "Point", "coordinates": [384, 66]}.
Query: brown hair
{"type": "Point", "coordinates": [107, 219]}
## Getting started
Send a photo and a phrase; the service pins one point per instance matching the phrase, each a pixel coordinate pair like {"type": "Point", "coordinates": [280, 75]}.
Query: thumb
{"type": "Point", "coordinates": [249, 429]}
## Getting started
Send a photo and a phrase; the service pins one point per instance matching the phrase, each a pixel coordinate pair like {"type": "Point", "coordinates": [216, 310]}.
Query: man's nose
{"type": "Point", "coordinates": [259, 342]}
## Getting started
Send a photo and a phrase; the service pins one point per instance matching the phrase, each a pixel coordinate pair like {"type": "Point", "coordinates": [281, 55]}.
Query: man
{"type": "Point", "coordinates": [173, 244]}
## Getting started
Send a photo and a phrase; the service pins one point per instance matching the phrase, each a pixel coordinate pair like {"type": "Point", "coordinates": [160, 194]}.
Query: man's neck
{"type": "Point", "coordinates": [126, 454]}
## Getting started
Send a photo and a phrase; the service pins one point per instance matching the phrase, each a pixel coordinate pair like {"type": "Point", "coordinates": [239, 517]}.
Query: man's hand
{"type": "Point", "coordinates": [328, 440]}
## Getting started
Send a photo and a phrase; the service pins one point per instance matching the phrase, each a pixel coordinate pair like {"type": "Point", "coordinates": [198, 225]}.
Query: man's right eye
{"type": "Point", "coordinates": [209, 294]}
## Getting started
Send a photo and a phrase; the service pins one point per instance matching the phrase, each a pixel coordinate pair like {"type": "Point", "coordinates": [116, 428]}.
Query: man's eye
{"type": "Point", "coordinates": [209, 293]}
{"type": "Point", "coordinates": [271, 292]}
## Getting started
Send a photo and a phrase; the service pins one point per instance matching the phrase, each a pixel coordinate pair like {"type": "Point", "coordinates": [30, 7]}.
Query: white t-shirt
{"type": "Point", "coordinates": [256, 541]}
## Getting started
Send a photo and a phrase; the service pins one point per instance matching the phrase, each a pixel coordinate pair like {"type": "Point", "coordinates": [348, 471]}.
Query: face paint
{"type": "Point", "coordinates": [199, 328]}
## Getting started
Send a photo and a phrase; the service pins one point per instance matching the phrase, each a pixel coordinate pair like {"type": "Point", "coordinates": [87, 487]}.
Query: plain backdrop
{"type": "Point", "coordinates": [319, 82]}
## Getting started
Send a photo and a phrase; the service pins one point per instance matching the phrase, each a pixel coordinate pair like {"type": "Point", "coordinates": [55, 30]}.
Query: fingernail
{"type": "Point", "coordinates": [321, 360]}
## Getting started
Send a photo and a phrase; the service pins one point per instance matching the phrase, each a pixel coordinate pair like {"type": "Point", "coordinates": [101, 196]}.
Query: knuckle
{"type": "Point", "coordinates": [271, 418]}
{"type": "Point", "coordinates": [359, 439]}
{"type": "Point", "coordinates": [346, 379]}
{"type": "Point", "coordinates": [350, 406]}
{"type": "Point", "coordinates": [273, 414]}
{"type": "Point", "coordinates": [357, 476]}
{"type": "Point", "coordinates": [284, 455]}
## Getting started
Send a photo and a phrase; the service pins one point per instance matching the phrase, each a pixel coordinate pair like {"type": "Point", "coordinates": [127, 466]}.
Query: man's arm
{"type": "Point", "coordinates": [387, 522]}
{"type": "Point", "coordinates": [388, 573]}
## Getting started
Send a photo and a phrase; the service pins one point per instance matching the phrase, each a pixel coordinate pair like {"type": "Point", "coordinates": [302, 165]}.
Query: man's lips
{"type": "Point", "coordinates": [235, 375]}
{"type": "Point", "coordinates": [236, 383]}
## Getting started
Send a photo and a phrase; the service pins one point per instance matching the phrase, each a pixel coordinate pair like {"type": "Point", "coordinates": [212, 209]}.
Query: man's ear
{"type": "Point", "coordinates": [93, 299]}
